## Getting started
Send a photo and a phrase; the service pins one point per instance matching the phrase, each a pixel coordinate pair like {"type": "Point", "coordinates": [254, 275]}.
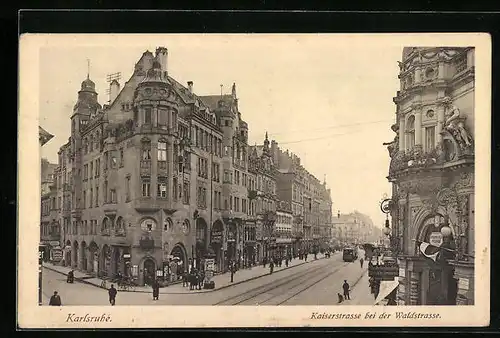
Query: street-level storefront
{"type": "Point", "coordinates": [283, 247]}
{"type": "Point", "coordinates": [216, 243]}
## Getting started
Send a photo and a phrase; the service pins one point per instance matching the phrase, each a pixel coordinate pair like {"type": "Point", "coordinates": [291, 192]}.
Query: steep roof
{"type": "Point", "coordinates": [212, 101]}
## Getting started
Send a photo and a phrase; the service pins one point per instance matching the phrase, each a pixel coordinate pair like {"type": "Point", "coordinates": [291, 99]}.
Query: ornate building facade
{"type": "Point", "coordinates": [160, 179]}
{"type": "Point", "coordinates": [263, 197]}
{"type": "Point", "coordinates": [432, 174]}
{"type": "Point", "coordinates": [157, 176]}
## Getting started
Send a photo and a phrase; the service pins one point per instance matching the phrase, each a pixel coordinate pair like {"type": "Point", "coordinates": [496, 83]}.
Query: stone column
{"type": "Point", "coordinates": [441, 70]}
{"type": "Point", "coordinates": [418, 127]}
{"type": "Point", "coordinates": [401, 132]}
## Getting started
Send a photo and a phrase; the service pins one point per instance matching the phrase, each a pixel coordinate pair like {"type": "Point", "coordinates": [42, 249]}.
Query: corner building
{"type": "Point", "coordinates": [432, 174]}
{"type": "Point", "coordinates": [158, 173]}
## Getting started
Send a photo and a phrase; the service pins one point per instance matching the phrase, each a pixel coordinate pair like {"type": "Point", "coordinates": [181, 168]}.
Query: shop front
{"type": "Point", "coordinates": [216, 244]}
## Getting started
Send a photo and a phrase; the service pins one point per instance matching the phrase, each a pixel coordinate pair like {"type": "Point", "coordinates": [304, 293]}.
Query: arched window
{"type": "Point", "coordinates": [410, 132]}
{"type": "Point", "coordinates": [105, 226]}
{"type": "Point", "coordinates": [168, 224]}
{"type": "Point", "coordinates": [120, 226]}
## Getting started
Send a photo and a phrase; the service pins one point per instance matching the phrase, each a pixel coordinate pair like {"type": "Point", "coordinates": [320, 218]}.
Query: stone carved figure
{"type": "Point", "coordinates": [454, 123]}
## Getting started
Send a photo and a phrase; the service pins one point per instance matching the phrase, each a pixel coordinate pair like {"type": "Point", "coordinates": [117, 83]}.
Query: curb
{"type": "Point", "coordinates": [81, 280]}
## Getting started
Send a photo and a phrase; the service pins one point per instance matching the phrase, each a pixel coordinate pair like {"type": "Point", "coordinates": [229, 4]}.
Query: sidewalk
{"type": "Point", "coordinates": [221, 281]}
{"type": "Point", "coordinates": [360, 294]}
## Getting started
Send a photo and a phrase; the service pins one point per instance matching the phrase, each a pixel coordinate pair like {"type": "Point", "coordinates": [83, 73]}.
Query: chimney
{"type": "Point", "coordinates": [190, 86]}
{"type": "Point", "coordinates": [114, 90]}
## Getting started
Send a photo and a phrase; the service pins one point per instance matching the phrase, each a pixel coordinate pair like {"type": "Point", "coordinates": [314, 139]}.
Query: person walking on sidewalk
{"type": "Point", "coordinates": [286, 261]}
{"type": "Point", "coordinates": [112, 295]}
{"type": "Point", "coordinates": [233, 270]}
{"type": "Point", "coordinates": [264, 262]}
{"type": "Point", "coordinates": [346, 287]}
{"type": "Point", "coordinates": [361, 262]}
{"type": "Point", "coordinates": [55, 300]}
{"type": "Point", "coordinates": [271, 267]}
{"type": "Point", "coordinates": [156, 289]}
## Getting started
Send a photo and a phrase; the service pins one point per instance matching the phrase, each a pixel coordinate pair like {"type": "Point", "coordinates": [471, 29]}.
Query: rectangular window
{"type": "Point", "coordinates": [430, 134]}
{"type": "Point", "coordinates": [162, 118]}
{"type": "Point", "coordinates": [146, 185]}
{"type": "Point", "coordinates": [162, 188]}
{"type": "Point", "coordinates": [96, 196]}
{"type": "Point", "coordinates": [91, 172]}
{"type": "Point", "coordinates": [105, 191]}
{"type": "Point", "coordinates": [91, 199]}
{"type": "Point", "coordinates": [185, 192]}
{"type": "Point", "coordinates": [97, 167]}
{"type": "Point", "coordinates": [127, 189]}
{"type": "Point", "coordinates": [175, 193]}
{"type": "Point", "coordinates": [162, 151]}
{"type": "Point", "coordinates": [106, 158]}
{"type": "Point", "coordinates": [147, 115]}
{"type": "Point", "coordinates": [122, 159]}
{"type": "Point", "coordinates": [113, 196]}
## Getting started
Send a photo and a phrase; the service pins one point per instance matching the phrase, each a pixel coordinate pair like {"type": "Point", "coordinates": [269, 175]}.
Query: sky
{"type": "Point", "coordinates": [326, 99]}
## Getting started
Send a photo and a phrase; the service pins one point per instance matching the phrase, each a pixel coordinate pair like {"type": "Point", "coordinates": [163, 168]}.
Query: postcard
{"type": "Point", "coordinates": [254, 180]}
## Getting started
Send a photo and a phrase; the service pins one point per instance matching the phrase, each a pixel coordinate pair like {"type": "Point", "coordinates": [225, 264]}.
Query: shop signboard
{"type": "Point", "coordinates": [216, 236]}
{"type": "Point", "coordinates": [57, 255]}
{"type": "Point", "coordinates": [209, 264]}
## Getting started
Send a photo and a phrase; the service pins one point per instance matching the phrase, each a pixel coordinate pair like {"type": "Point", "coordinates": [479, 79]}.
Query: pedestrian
{"type": "Point", "coordinates": [271, 267]}
{"type": "Point", "coordinates": [346, 287]}
{"type": "Point", "coordinates": [233, 270]}
{"type": "Point", "coordinates": [55, 300]}
{"type": "Point", "coordinates": [192, 279]}
{"type": "Point", "coordinates": [112, 294]}
{"type": "Point", "coordinates": [286, 262]}
{"type": "Point", "coordinates": [71, 277]}
{"type": "Point", "coordinates": [156, 289]}
{"type": "Point", "coordinates": [201, 278]}
{"type": "Point", "coordinates": [264, 261]}
{"type": "Point", "coordinates": [305, 257]}
{"type": "Point", "coordinates": [361, 262]}
{"type": "Point", "coordinates": [185, 281]}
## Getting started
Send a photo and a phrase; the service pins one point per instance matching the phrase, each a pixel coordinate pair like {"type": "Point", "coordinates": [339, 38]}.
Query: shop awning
{"type": "Point", "coordinates": [386, 287]}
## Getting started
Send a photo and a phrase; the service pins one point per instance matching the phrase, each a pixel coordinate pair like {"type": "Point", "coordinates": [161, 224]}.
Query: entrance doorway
{"type": "Point", "coordinates": [149, 271]}
{"type": "Point", "coordinates": [180, 257]}
{"type": "Point", "coordinates": [116, 261]}
{"type": "Point", "coordinates": [216, 240]}
{"type": "Point", "coordinates": [94, 257]}
{"type": "Point", "coordinates": [83, 255]}
{"type": "Point", "coordinates": [67, 254]}
{"type": "Point", "coordinates": [201, 241]}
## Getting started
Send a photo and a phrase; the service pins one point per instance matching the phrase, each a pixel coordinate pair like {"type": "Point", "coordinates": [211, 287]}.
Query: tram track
{"type": "Point", "coordinates": [295, 280]}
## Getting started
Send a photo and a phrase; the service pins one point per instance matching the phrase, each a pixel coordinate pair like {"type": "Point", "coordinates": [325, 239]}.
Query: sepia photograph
{"type": "Point", "coordinates": [331, 175]}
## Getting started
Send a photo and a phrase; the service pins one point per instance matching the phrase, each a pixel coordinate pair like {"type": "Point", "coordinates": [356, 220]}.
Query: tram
{"type": "Point", "coordinates": [350, 254]}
